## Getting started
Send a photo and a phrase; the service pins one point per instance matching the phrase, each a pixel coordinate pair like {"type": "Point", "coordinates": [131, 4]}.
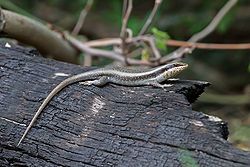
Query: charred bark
{"type": "Point", "coordinates": [109, 126]}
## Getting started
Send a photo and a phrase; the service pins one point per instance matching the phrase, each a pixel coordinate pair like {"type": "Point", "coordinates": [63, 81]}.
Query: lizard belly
{"type": "Point", "coordinates": [130, 81]}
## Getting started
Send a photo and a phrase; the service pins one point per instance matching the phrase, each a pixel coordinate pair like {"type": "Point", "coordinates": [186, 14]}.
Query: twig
{"type": "Point", "coordinates": [125, 18]}
{"type": "Point", "coordinates": [241, 46]}
{"type": "Point", "coordinates": [103, 53]}
{"type": "Point", "coordinates": [214, 23]}
{"type": "Point", "coordinates": [82, 17]}
{"type": "Point", "coordinates": [150, 41]}
{"type": "Point", "coordinates": [151, 17]}
{"type": "Point", "coordinates": [124, 7]}
{"type": "Point", "coordinates": [171, 42]}
{"type": "Point", "coordinates": [179, 53]}
{"type": "Point", "coordinates": [118, 41]}
{"type": "Point", "coordinates": [87, 60]}
{"type": "Point", "coordinates": [123, 34]}
{"type": "Point", "coordinates": [104, 42]}
{"type": "Point", "coordinates": [92, 51]}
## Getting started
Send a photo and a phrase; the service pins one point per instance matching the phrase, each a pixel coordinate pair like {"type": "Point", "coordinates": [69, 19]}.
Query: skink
{"type": "Point", "coordinates": [116, 75]}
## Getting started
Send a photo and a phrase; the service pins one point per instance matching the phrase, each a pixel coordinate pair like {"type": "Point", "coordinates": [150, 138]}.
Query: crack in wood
{"type": "Point", "coordinates": [12, 121]}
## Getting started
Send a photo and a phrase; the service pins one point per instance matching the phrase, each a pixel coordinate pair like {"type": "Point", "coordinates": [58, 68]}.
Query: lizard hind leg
{"type": "Point", "coordinates": [98, 82]}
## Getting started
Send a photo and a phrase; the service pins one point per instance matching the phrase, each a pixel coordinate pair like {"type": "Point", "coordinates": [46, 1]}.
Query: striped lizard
{"type": "Point", "coordinates": [116, 75]}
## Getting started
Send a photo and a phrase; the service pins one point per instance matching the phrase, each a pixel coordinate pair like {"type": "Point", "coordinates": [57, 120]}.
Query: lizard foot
{"type": "Point", "coordinates": [158, 85]}
{"type": "Point", "coordinates": [86, 83]}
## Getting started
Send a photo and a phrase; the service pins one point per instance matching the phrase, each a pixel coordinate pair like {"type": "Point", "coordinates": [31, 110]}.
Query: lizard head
{"type": "Point", "coordinates": [173, 69]}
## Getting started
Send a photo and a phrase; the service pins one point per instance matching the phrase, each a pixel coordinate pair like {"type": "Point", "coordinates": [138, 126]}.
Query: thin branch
{"type": "Point", "coordinates": [150, 41]}
{"type": "Point", "coordinates": [103, 53]}
{"type": "Point", "coordinates": [151, 17]}
{"type": "Point", "coordinates": [137, 52]}
{"type": "Point", "coordinates": [117, 41]}
{"type": "Point", "coordinates": [125, 18]}
{"type": "Point", "coordinates": [179, 53]}
{"type": "Point", "coordinates": [124, 7]}
{"type": "Point", "coordinates": [92, 51]}
{"type": "Point", "coordinates": [214, 23]}
{"type": "Point", "coordinates": [153, 47]}
{"type": "Point", "coordinates": [103, 42]}
{"type": "Point", "coordinates": [240, 46]}
{"type": "Point", "coordinates": [123, 34]}
{"type": "Point", "coordinates": [87, 60]}
{"type": "Point", "coordinates": [82, 17]}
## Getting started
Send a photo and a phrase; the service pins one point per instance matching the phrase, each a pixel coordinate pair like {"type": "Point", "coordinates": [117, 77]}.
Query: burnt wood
{"type": "Point", "coordinates": [110, 126]}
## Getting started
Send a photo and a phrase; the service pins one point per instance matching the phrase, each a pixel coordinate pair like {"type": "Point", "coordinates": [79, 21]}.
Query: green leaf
{"type": "Point", "coordinates": [248, 67]}
{"type": "Point", "coordinates": [145, 55]}
{"type": "Point", "coordinates": [161, 44]}
{"type": "Point", "coordinates": [160, 34]}
{"type": "Point", "coordinates": [160, 39]}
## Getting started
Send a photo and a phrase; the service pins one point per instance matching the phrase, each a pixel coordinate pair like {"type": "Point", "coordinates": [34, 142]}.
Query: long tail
{"type": "Point", "coordinates": [57, 89]}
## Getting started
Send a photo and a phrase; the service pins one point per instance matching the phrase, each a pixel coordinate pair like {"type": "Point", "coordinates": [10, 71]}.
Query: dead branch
{"type": "Point", "coordinates": [82, 17]}
{"type": "Point", "coordinates": [151, 43]}
{"type": "Point", "coordinates": [103, 53]}
{"type": "Point", "coordinates": [179, 53]}
{"type": "Point", "coordinates": [150, 18]}
{"type": "Point", "coordinates": [36, 34]}
{"type": "Point", "coordinates": [78, 27]}
{"type": "Point", "coordinates": [125, 18]}
{"type": "Point", "coordinates": [87, 60]}
{"type": "Point", "coordinates": [103, 42]}
{"type": "Point", "coordinates": [214, 23]}
{"type": "Point", "coordinates": [124, 7]}
{"type": "Point", "coordinates": [199, 45]}
{"type": "Point", "coordinates": [53, 43]}
{"type": "Point", "coordinates": [123, 34]}
{"type": "Point", "coordinates": [172, 42]}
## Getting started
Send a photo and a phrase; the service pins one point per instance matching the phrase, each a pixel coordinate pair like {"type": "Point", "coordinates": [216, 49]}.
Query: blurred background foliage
{"type": "Point", "coordinates": [227, 70]}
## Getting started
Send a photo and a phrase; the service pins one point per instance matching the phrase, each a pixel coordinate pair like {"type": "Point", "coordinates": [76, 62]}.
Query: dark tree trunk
{"type": "Point", "coordinates": [109, 126]}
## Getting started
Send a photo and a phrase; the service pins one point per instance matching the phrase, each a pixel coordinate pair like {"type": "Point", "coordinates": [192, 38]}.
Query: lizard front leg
{"type": "Point", "coordinates": [158, 85]}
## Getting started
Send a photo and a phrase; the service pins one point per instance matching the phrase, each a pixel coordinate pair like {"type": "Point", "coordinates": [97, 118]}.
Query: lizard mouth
{"type": "Point", "coordinates": [178, 67]}
{"type": "Point", "coordinates": [180, 64]}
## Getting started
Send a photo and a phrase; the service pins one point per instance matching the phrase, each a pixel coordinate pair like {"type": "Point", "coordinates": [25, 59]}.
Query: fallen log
{"type": "Point", "coordinates": [110, 126]}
